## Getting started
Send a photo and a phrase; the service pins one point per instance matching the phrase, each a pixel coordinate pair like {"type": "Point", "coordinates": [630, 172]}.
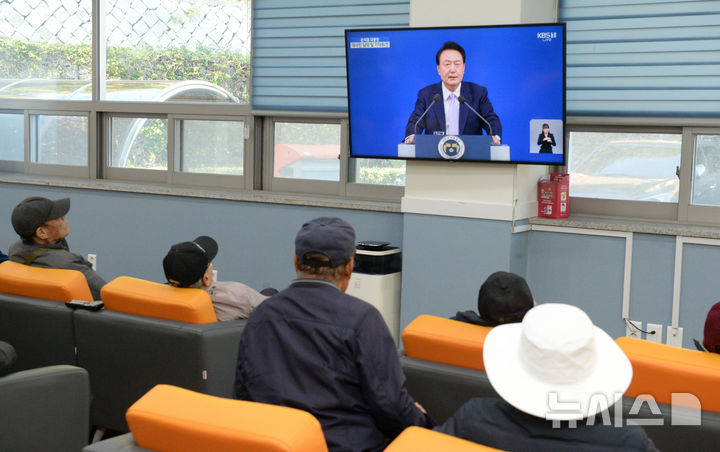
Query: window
{"type": "Point", "coordinates": [12, 142]}
{"type": "Point", "coordinates": [648, 172]}
{"type": "Point", "coordinates": [169, 69]}
{"type": "Point", "coordinates": [139, 143]}
{"type": "Point", "coordinates": [706, 174]}
{"type": "Point", "coordinates": [59, 140]}
{"type": "Point", "coordinates": [45, 48]}
{"type": "Point", "coordinates": [168, 102]}
{"type": "Point", "coordinates": [629, 166]}
{"type": "Point", "coordinates": [204, 48]}
{"type": "Point", "coordinates": [638, 96]}
{"type": "Point", "coordinates": [211, 147]}
{"type": "Point", "coordinates": [378, 172]}
{"type": "Point", "coordinates": [307, 151]}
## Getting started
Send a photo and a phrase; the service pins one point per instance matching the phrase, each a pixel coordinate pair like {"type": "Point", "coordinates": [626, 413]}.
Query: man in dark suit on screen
{"type": "Point", "coordinates": [447, 115]}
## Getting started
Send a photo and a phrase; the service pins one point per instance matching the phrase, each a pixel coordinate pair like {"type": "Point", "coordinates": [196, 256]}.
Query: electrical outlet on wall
{"type": "Point", "coordinates": [674, 336]}
{"type": "Point", "coordinates": [654, 333]}
{"type": "Point", "coordinates": [634, 329]}
{"type": "Point", "coordinates": [92, 258]}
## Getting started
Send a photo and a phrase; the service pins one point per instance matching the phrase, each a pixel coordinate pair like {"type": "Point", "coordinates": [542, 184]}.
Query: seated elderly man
{"type": "Point", "coordinates": [189, 264]}
{"type": "Point", "coordinates": [503, 298]}
{"type": "Point", "coordinates": [318, 349]}
{"type": "Point", "coordinates": [558, 375]}
{"type": "Point", "coordinates": [42, 227]}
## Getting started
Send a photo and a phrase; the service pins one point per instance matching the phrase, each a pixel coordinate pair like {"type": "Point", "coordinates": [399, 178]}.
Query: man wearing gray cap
{"type": "Point", "coordinates": [42, 227]}
{"type": "Point", "coordinates": [315, 348]}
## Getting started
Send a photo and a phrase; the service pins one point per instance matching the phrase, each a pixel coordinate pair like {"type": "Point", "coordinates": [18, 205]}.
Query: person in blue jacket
{"type": "Point", "coordinates": [318, 349]}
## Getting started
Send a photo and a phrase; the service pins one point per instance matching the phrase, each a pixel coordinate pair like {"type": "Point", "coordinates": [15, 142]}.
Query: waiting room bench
{"type": "Point", "coordinates": [179, 420]}
{"type": "Point", "coordinates": [126, 348]}
{"type": "Point", "coordinates": [418, 439]}
{"type": "Point", "coordinates": [443, 363]}
{"type": "Point", "coordinates": [441, 381]}
{"type": "Point", "coordinates": [44, 409]}
{"type": "Point", "coordinates": [33, 315]}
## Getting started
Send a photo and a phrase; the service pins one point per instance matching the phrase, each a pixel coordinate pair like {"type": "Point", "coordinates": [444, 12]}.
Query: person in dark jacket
{"type": "Point", "coordinates": [3, 257]}
{"type": "Point", "coordinates": [42, 227]}
{"type": "Point", "coordinates": [318, 349]}
{"type": "Point", "coordinates": [504, 297]}
{"type": "Point", "coordinates": [546, 140]}
{"type": "Point", "coordinates": [552, 371]}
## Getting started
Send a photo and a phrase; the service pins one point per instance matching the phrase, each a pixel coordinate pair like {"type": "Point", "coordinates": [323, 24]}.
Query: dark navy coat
{"type": "Point", "coordinates": [318, 349]}
{"type": "Point", "coordinates": [496, 423]}
{"type": "Point", "coordinates": [468, 123]}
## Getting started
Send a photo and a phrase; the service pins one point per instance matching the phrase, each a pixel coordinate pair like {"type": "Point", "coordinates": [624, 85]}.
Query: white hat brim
{"type": "Point", "coordinates": [516, 385]}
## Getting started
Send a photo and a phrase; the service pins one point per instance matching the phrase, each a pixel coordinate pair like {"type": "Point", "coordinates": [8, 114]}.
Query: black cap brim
{"type": "Point", "coordinates": [209, 245]}
{"type": "Point", "coordinates": [60, 208]}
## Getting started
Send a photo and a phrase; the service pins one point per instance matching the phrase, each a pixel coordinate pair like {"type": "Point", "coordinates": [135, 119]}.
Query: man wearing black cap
{"type": "Point", "coordinates": [189, 264]}
{"type": "Point", "coordinates": [315, 348]}
{"type": "Point", "coordinates": [42, 227]}
{"type": "Point", "coordinates": [504, 297]}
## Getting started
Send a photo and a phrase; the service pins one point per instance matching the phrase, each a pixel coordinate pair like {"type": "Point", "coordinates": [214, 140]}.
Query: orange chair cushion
{"type": "Point", "coordinates": [445, 341]}
{"type": "Point", "coordinates": [140, 297]}
{"type": "Point", "coordinates": [46, 283]}
{"type": "Point", "coordinates": [660, 370]}
{"type": "Point", "coordinates": [172, 418]}
{"type": "Point", "coordinates": [418, 439]}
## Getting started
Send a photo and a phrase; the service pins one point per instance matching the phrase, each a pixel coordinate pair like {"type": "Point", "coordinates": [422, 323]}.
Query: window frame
{"type": "Point", "coordinates": [682, 211]}
{"type": "Point", "coordinates": [258, 157]}
{"type": "Point", "coordinates": [177, 177]}
{"type": "Point", "coordinates": [156, 176]}
{"type": "Point", "coordinates": [306, 186]}
{"type": "Point", "coordinates": [17, 166]}
{"type": "Point", "coordinates": [52, 169]}
{"type": "Point", "coordinates": [691, 213]}
{"type": "Point", "coordinates": [345, 187]}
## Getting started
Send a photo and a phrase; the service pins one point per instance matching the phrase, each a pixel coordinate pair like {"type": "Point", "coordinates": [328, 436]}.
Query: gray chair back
{"type": "Point", "coordinates": [127, 355]}
{"type": "Point", "coordinates": [45, 409]}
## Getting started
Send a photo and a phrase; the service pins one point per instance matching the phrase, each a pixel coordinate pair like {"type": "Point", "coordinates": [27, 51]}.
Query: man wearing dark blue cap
{"type": "Point", "coordinates": [315, 348]}
{"type": "Point", "coordinates": [42, 227]}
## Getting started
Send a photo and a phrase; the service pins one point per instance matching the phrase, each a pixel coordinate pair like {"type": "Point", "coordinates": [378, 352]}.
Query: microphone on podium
{"type": "Point", "coordinates": [462, 101]}
{"type": "Point", "coordinates": [436, 98]}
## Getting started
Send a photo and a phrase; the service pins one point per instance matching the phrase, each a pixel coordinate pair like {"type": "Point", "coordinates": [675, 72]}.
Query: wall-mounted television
{"type": "Point", "coordinates": [411, 93]}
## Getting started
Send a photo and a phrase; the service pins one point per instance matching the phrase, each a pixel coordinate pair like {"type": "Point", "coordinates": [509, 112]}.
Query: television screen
{"type": "Point", "coordinates": [412, 94]}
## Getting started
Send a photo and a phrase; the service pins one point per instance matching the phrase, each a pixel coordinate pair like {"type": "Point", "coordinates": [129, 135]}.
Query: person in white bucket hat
{"type": "Point", "coordinates": [554, 366]}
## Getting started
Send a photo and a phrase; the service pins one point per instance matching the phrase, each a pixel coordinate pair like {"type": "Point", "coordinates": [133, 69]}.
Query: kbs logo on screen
{"type": "Point", "coordinates": [547, 36]}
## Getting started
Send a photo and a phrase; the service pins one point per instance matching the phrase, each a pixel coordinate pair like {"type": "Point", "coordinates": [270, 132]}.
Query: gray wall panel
{"type": "Point", "coordinates": [131, 232]}
{"type": "Point", "coordinates": [446, 259]}
{"type": "Point", "coordinates": [585, 271]}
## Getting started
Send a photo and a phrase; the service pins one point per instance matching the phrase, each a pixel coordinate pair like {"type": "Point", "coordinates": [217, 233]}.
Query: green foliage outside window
{"type": "Point", "coordinates": [23, 60]}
